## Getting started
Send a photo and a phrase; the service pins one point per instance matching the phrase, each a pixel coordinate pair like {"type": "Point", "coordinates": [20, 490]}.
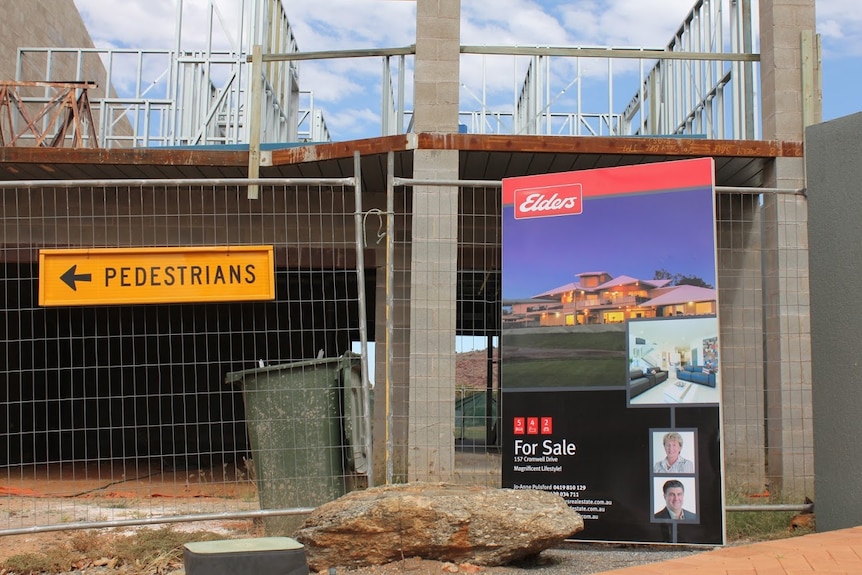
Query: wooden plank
{"type": "Point", "coordinates": [482, 157]}
{"type": "Point", "coordinates": [138, 156]}
{"type": "Point", "coordinates": [695, 147]}
{"type": "Point", "coordinates": [318, 152]}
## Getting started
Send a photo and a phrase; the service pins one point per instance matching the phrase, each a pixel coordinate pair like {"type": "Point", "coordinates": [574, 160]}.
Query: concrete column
{"type": "Point", "coordinates": [790, 449]}
{"type": "Point", "coordinates": [431, 422]}
{"type": "Point", "coordinates": [436, 77]}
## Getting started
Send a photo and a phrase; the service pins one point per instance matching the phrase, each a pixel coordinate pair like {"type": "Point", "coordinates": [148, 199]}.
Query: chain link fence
{"type": "Point", "coordinates": [125, 412]}
{"type": "Point", "coordinates": [122, 414]}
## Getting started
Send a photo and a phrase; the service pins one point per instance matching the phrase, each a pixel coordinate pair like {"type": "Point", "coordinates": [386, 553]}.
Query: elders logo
{"type": "Point", "coordinates": [548, 201]}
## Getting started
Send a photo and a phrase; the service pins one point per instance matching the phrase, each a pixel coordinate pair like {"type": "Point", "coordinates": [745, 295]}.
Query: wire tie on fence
{"type": "Point", "coordinates": [379, 213]}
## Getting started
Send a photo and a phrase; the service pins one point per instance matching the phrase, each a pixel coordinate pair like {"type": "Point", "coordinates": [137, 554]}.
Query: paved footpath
{"type": "Point", "coordinates": [831, 553]}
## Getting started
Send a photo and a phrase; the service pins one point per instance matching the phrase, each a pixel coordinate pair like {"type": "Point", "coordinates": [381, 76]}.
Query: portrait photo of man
{"type": "Point", "coordinates": [673, 492]}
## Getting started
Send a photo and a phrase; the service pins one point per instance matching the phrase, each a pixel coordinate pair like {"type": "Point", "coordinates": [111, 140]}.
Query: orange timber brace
{"type": "Point", "coordinates": [66, 117]}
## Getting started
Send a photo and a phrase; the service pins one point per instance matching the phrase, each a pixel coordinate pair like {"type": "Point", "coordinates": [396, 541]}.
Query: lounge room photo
{"type": "Point", "coordinates": [673, 361]}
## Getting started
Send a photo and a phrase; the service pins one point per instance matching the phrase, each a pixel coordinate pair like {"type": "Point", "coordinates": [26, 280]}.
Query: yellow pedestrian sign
{"type": "Point", "coordinates": [104, 276]}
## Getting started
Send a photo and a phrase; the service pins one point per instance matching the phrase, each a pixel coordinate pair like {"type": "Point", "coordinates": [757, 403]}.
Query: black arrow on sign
{"type": "Point", "coordinates": [70, 277]}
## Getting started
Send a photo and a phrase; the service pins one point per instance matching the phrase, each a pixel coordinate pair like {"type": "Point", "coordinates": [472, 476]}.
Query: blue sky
{"type": "Point", "coordinates": [349, 91]}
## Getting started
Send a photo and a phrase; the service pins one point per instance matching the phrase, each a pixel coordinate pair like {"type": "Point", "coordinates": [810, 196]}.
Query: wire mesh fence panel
{"type": "Point", "coordinates": [464, 404]}
{"type": "Point", "coordinates": [740, 263]}
{"type": "Point", "coordinates": [116, 411]}
{"type": "Point", "coordinates": [391, 398]}
{"type": "Point", "coordinates": [787, 347]}
{"type": "Point", "coordinates": [479, 305]}
{"type": "Point", "coordinates": [763, 321]}
{"type": "Point", "coordinates": [766, 356]}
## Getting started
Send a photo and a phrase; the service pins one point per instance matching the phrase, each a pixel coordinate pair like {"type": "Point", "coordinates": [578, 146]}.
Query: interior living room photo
{"type": "Point", "coordinates": [673, 360]}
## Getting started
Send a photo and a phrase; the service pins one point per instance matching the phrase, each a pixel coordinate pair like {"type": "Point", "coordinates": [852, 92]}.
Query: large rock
{"type": "Point", "coordinates": [479, 525]}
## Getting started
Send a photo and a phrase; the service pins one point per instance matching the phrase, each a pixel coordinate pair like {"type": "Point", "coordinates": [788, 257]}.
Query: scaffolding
{"type": "Point", "coordinates": [701, 84]}
{"type": "Point", "coordinates": [64, 119]}
{"type": "Point", "coordinates": [188, 96]}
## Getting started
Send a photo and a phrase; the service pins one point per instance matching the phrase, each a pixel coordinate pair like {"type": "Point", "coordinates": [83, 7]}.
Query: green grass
{"type": "Point", "coordinates": [543, 360]}
{"type": "Point", "coordinates": [749, 526]}
{"type": "Point", "coordinates": [563, 372]}
{"type": "Point", "coordinates": [606, 340]}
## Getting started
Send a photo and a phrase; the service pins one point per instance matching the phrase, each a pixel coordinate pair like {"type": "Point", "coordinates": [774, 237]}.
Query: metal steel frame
{"type": "Point", "coordinates": [702, 84]}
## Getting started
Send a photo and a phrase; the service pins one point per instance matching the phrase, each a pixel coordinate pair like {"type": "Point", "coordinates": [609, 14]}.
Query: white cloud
{"type": "Point", "coordinates": [352, 24]}
{"type": "Point", "coordinates": [151, 24]}
{"type": "Point", "coordinates": [839, 22]}
{"type": "Point", "coordinates": [343, 24]}
{"type": "Point", "coordinates": [138, 24]}
{"type": "Point", "coordinates": [353, 123]}
{"type": "Point", "coordinates": [626, 23]}
{"type": "Point", "coordinates": [620, 23]}
{"type": "Point", "coordinates": [331, 84]}
{"type": "Point", "coordinates": [509, 22]}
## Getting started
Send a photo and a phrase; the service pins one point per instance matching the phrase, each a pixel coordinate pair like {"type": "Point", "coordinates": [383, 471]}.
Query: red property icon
{"type": "Point", "coordinates": [533, 425]}
{"type": "Point", "coordinates": [519, 426]}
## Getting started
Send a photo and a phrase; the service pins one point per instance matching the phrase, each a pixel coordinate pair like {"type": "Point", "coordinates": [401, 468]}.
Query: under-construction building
{"type": "Point", "coordinates": [392, 239]}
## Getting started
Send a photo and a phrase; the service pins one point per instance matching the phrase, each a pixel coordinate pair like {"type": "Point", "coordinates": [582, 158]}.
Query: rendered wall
{"type": "Point", "coordinates": [51, 24]}
{"type": "Point", "coordinates": [44, 23]}
{"type": "Point", "coordinates": [832, 153]}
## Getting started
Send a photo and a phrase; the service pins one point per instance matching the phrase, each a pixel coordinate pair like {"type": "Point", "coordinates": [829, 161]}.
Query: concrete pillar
{"type": "Point", "coordinates": [790, 450]}
{"type": "Point", "coordinates": [431, 422]}
{"type": "Point", "coordinates": [436, 77]}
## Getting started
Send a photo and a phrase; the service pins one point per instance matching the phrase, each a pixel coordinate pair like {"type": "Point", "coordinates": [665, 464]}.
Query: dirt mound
{"type": "Point", "coordinates": [471, 369]}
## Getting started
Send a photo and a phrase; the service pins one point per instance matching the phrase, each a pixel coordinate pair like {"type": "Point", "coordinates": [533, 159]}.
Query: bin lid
{"type": "Point", "coordinates": [239, 376]}
{"type": "Point", "coordinates": [244, 545]}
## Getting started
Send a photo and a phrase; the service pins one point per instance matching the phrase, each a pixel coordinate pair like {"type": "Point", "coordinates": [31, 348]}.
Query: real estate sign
{"type": "Point", "coordinates": [610, 348]}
